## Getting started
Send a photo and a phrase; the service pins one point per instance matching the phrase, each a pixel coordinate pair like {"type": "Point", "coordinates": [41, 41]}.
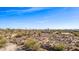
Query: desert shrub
{"type": "Point", "coordinates": [58, 47]}
{"type": "Point", "coordinates": [77, 44]}
{"type": "Point", "coordinates": [54, 47]}
{"type": "Point", "coordinates": [20, 34]}
{"type": "Point", "coordinates": [31, 44]}
{"type": "Point", "coordinates": [2, 41]}
{"type": "Point", "coordinates": [76, 33]}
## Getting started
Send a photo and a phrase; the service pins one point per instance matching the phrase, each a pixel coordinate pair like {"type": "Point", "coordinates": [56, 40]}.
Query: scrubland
{"type": "Point", "coordinates": [39, 40]}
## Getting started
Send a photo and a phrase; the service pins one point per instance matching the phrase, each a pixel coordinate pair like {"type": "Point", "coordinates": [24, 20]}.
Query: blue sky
{"type": "Point", "coordinates": [39, 17]}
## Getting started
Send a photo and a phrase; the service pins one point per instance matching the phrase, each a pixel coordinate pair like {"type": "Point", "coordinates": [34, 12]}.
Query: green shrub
{"type": "Point", "coordinates": [31, 44]}
{"type": "Point", "coordinates": [2, 41]}
{"type": "Point", "coordinates": [58, 47]}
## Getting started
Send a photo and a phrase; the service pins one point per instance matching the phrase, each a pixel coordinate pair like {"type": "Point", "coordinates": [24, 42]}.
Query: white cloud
{"type": "Point", "coordinates": [35, 9]}
{"type": "Point", "coordinates": [18, 12]}
{"type": "Point", "coordinates": [26, 10]}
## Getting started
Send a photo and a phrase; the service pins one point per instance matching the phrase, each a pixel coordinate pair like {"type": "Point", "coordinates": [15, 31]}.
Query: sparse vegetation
{"type": "Point", "coordinates": [59, 47]}
{"type": "Point", "coordinates": [31, 44]}
{"type": "Point", "coordinates": [2, 41]}
{"type": "Point", "coordinates": [40, 40]}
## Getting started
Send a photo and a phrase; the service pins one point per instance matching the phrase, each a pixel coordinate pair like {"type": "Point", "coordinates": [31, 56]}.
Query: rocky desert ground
{"type": "Point", "coordinates": [39, 40]}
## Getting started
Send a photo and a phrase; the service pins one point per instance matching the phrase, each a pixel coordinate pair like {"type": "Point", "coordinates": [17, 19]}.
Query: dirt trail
{"type": "Point", "coordinates": [9, 47]}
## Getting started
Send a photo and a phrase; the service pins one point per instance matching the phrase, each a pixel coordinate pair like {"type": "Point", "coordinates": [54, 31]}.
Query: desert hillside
{"type": "Point", "coordinates": [39, 40]}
